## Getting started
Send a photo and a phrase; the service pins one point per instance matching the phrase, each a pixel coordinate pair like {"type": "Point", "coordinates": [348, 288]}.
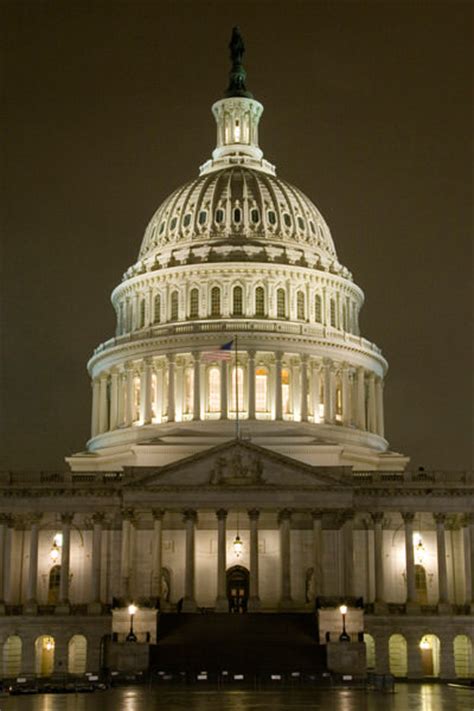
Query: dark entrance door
{"type": "Point", "coordinates": [238, 589]}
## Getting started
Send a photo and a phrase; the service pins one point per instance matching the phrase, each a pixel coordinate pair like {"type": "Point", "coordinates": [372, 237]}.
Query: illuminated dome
{"type": "Point", "coordinates": [237, 319]}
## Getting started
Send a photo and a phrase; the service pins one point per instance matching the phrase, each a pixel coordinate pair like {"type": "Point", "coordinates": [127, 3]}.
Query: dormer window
{"type": "Point", "coordinates": [187, 219]}
{"type": "Point", "coordinates": [219, 216]}
{"type": "Point", "coordinates": [272, 217]}
{"type": "Point", "coordinates": [237, 215]}
{"type": "Point", "coordinates": [255, 215]}
{"type": "Point", "coordinates": [202, 217]}
{"type": "Point", "coordinates": [173, 223]}
{"type": "Point", "coordinates": [287, 219]}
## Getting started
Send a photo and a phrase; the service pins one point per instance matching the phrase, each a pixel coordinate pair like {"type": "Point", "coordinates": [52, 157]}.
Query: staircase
{"type": "Point", "coordinates": [262, 642]}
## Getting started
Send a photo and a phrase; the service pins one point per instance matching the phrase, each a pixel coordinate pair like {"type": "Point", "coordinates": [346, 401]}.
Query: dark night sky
{"type": "Point", "coordinates": [107, 110]}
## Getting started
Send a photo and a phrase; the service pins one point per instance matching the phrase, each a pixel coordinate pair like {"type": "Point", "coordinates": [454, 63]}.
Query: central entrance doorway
{"type": "Point", "coordinates": [238, 589]}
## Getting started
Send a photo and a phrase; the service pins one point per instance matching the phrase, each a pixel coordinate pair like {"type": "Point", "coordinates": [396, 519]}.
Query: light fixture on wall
{"type": "Point", "coordinates": [238, 545]}
{"type": "Point", "coordinates": [424, 644]}
{"type": "Point", "coordinates": [55, 552]}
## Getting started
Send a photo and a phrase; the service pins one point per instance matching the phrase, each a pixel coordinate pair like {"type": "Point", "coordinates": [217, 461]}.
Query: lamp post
{"type": "Point", "coordinates": [131, 637]}
{"type": "Point", "coordinates": [344, 637]}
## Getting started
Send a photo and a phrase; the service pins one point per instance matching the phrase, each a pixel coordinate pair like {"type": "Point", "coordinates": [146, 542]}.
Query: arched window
{"type": "Point", "coordinates": [430, 648]}
{"type": "Point", "coordinates": [237, 301]}
{"type": "Point", "coordinates": [215, 301]}
{"type": "Point", "coordinates": [333, 313]}
{"type": "Point", "coordinates": [157, 309]}
{"type": "Point", "coordinates": [397, 652]}
{"type": "Point", "coordinates": [237, 398]}
{"type": "Point", "coordinates": [194, 303]}
{"type": "Point", "coordinates": [300, 306]}
{"type": "Point", "coordinates": [261, 390]}
{"type": "Point", "coordinates": [12, 650]}
{"type": "Point", "coordinates": [53, 585]}
{"type": "Point", "coordinates": [421, 585]}
{"type": "Point", "coordinates": [174, 306]}
{"type": "Point", "coordinates": [285, 391]}
{"type": "Point", "coordinates": [260, 301]}
{"type": "Point", "coordinates": [77, 654]}
{"type": "Point", "coordinates": [214, 389]}
{"type": "Point", "coordinates": [142, 313]}
{"type": "Point", "coordinates": [188, 391]}
{"type": "Point", "coordinates": [318, 310]}
{"type": "Point", "coordinates": [44, 655]}
{"type": "Point", "coordinates": [281, 303]}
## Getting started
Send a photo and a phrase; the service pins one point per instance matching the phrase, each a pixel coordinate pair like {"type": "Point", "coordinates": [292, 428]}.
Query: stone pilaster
{"type": "Point", "coordinates": [304, 388]}
{"type": "Point", "coordinates": [189, 602]}
{"type": "Point", "coordinates": [197, 386]}
{"type": "Point", "coordinates": [31, 605]}
{"type": "Point", "coordinates": [379, 603]}
{"type": "Point", "coordinates": [278, 386]}
{"type": "Point", "coordinates": [66, 521]}
{"type": "Point", "coordinates": [125, 563]}
{"type": "Point", "coordinates": [222, 604]}
{"type": "Point", "coordinates": [444, 606]}
{"type": "Point", "coordinates": [171, 388]}
{"type": "Point", "coordinates": [411, 603]}
{"type": "Point", "coordinates": [157, 555]}
{"type": "Point", "coordinates": [254, 595]}
{"type": "Point", "coordinates": [95, 606]}
{"type": "Point", "coordinates": [318, 569]}
{"type": "Point", "coordinates": [284, 522]}
{"type": "Point", "coordinates": [251, 391]}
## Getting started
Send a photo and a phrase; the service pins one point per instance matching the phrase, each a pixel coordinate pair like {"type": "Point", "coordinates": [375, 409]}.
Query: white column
{"type": "Point", "coordinates": [328, 392]}
{"type": "Point", "coordinates": [440, 519]}
{"type": "Point", "coordinates": [171, 403]}
{"type": "Point", "coordinates": [121, 398]}
{"type": "Point", "coordinates": [97, 521]}
{"type": "Point", "coordinates": [254, 595]}
{"type": "Point", "coordinates": [4, 521]}
{"type": "Point", "coordinates": [32, 581]}
{"type": "Point", "coordinates": [360, 399]}
{"type": "Point", "coordinates": [103, 409]}
{"type": "Point", "coordinates": [66, 521]}
{"type": "Point", "coordinates": [346, 396]}
{"type": "Point", "coordinates": [284, 521]}
{"type": "Point", "coordinates": [470, 524]}
{"type": "Point", "coordinates": [189, 602]}
{"type": "Point", "coordinates": [222, 604]}
{"type": "Point", "coordinates": [318, 570]}
{"type": "Point", "coordinates": [197, 386]}
{"type": "Point", "coordinates": [316, 388]}
{"type": "Point", "coordinates": [129, 414]}
{"type": "Point", "coordinates": [224, 391]}
{"type": "Point", "coordinates": [95, 407]}
{"type": "Point", "coordinates": [145, 391]}
{"type": "Point", "coordinates": [127, 518]}
{"type": "Point", "coordinates": [157, 555]}
{"type": "Point", "coordinates": [179, 390]}
{"type": "Point", "coordinates": [378, 519]}
{"type": "Point", "coordinates": [304, 388]}
{"type": "Point", "coordinates": [348, 542]}
{"type": "Point", "coordinates": [114, 398]}
{"type": "Point", "coordinates": [371, 405]}
{"type": "Point", "coordinates": [278, 392]}
{"type": "Point", "coordinates": [251, 377]}
{"type": "Point", "coordinates": [408, 519]}
{"type": "Point", "coordinates": [379, 407]}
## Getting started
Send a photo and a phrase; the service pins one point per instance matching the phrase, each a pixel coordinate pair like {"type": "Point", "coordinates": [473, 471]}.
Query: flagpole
{"type": "Point", "coordinates": [237, 427]}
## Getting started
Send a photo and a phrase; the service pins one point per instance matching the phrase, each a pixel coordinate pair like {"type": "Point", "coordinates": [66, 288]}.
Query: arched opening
{"type": "Point", "coordinates": [174, 306]}
{"type": "Point", "coordinates": [281, 303]}
{"type": "Point", "coordinates": [215, 301]}
{"type": "Point", "coordinates": [421, 585]}
{"type": "Point", "coordinates": [430, 652]}
{"type": "Point", "coordinates": [77, 654]}
{"type": "Point", "coordinates": [53, 585]}
{"type": "Point", "coordinates": [237, 301]}
{"type": "Point", "coordinates": [44, 655]}
{"type": "Point", "coordinates": [397, 654]}
{"type": "Point", "coordinates": [369, 651]}
{"type": "Point", "coordinates": [12, 649]}
{"type": "Point", "coordinates": [260, 301]}
{"type": "Point", "coordinates": [462, 648]}
{"type": "Point", "coordinates": [237, 589]}
{"type": "Point", "coordinates": [194, 303]}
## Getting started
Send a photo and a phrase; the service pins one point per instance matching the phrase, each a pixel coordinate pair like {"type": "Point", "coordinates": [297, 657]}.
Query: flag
{"type": "Point", "coordinates": [220, 352]}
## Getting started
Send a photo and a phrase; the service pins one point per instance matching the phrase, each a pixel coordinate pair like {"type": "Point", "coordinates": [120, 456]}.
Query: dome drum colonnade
{"type": "Point", "coordinates": [238, 243]}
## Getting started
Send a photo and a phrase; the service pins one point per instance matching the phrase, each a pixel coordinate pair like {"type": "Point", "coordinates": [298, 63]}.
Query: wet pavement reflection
{"type": "Point", "coordinates": [407, 697]}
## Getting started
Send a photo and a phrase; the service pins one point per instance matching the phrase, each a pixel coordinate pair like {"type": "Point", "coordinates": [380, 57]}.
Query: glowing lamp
{"type": "Point", "coordinates": [238, 546]}
{"type": "Point", "coordinates": [424, 644]}
{"type": "Point", "coordinates": [343, 609]}
{"type": "Point", "coordinates": [54, 553]}
{"type": "Point", "coordinates": [132, 609]}
{"type": "Point", "coordinates": [49, 645]}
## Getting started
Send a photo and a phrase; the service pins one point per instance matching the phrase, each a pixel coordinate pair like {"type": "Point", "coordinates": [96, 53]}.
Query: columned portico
{"type": "Point", "coordinates": [284, 522]}
{"type": "Point", "coordinates": [189, 601]}
{"type": "Point", "coordinates": [222, 604]}
{"type": "Point", "coordinates": [254, 596]}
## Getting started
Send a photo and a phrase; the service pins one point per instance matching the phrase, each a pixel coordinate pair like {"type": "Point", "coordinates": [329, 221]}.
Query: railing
{"type": "Point", "coordinates": [445, 477]}
{"type": "Point", "coordinates": [45, 477]}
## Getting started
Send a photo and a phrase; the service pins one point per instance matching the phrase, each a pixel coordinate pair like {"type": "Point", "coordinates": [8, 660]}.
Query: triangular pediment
{"type": "Point", "coordinates": [238, 463]}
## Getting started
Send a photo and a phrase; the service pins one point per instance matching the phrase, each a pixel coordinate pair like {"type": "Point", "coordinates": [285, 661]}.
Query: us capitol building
{"type": "Point", "coordinates": [237, 461]}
